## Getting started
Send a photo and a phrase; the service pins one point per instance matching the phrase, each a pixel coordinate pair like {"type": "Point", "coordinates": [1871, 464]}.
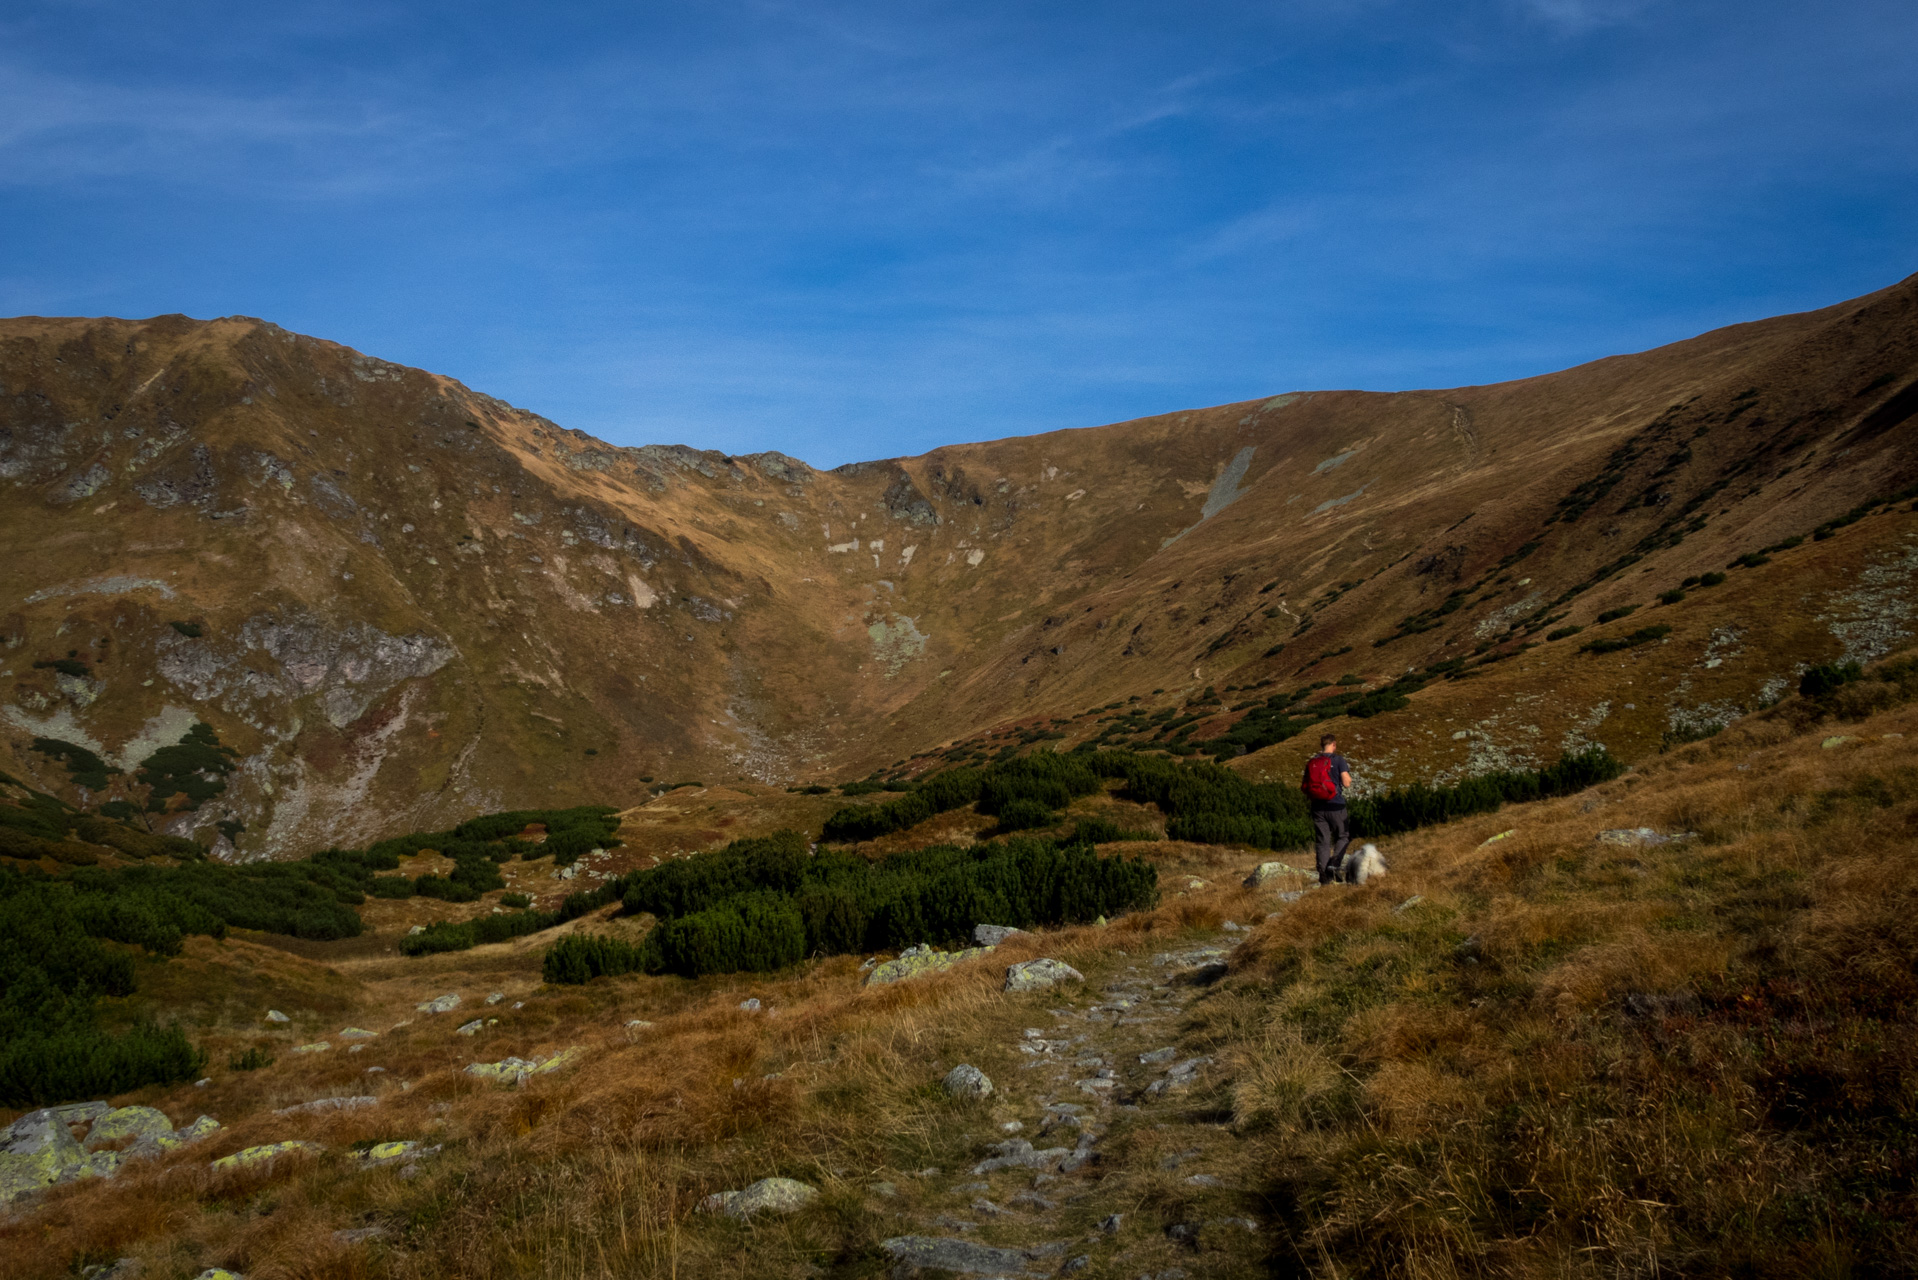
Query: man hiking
{"type": "Point", "coordinates": [1326, 777]}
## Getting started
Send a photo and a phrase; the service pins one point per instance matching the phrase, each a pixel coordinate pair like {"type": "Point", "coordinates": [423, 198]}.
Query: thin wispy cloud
{"type": "Point", "coordinates": [856, 229]}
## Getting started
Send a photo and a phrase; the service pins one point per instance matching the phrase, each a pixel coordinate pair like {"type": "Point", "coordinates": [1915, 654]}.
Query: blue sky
{"type": "Point", "coordinates": [854, 230]}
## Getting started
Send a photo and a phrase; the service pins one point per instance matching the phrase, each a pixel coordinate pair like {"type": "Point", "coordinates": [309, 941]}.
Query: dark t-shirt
{"type": "Point", "coordinates": [1339, 769]}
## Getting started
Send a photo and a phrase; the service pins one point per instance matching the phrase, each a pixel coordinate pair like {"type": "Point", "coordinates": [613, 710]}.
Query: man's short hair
{"type": "Point", "coordinates": [1327, 739]}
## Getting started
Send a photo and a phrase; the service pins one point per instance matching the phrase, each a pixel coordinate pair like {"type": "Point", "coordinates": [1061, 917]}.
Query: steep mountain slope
{"type": "Point", "coordinates": [400, 601]}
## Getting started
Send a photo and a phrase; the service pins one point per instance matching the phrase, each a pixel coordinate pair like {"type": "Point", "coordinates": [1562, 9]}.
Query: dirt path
{"type": "Point", "coordinates": [1107, 1171]}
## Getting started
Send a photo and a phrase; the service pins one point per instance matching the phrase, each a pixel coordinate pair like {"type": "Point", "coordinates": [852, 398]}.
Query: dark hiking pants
{"type": "Point", "coordinates": [1335, 833]}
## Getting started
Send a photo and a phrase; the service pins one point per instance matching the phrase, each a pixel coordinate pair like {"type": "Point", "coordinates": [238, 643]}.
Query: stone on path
{"type": "Point", "coordinates": [439, 1004]}
{"type": "Point", "coordinates": [948, 1254]}
{"type": "Point", "coordinates": [967, 1081]}
{"type": "Point", "coordinates": [991, 935]}
{"type": "Point", "coordinates": [1036, 975]}
{"type": "Point", "coordinates": [1017, 1153]}
{"type": "Point", "coordinates": [768, 1195]}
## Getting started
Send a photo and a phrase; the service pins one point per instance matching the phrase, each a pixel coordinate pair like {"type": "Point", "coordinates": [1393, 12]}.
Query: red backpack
{"type": "Point", "coordinates": [1318, 783]}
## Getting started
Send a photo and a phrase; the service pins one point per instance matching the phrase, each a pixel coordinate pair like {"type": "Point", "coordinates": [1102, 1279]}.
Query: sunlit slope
{"type": "Point", "coordinates": [414, 602]}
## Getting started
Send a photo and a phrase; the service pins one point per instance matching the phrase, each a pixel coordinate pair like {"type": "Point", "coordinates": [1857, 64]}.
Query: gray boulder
{"type": "Point", "coordinates": [991, 935]}
{"type": "Point", "coordinates": [768, 1195]}
{"type": "Point", "coordinates": [36, 1151]}
{"type": "Point", "coordinates": [1267, 872]}
{"type": "Point", "coordinates": [968, 1081]}
{"type": "Point", "coordinates": [439, 1004]}
{"type": "Point", "coordinates": [1036, 975]}
{"type": "Point", "coordinates": [129, 1122]}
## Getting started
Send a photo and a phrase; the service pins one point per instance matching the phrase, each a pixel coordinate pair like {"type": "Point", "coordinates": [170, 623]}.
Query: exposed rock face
{"type": "Point", "coordinates": [345, 668]}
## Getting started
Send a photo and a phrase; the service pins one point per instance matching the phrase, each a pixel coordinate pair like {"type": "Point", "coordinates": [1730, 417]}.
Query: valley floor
{"type": "Point", "coordinates": [1662, 1027]}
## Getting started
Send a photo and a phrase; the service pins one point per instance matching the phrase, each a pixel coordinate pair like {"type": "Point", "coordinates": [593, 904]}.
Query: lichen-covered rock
{"type": "Point", "coordinates": [388, 1152]}
{"type": "Point", "coordinates": [1266, 872]}
{"type": "Point", "coordinates": [318, 1046]}
{"type": "Point", "coordinates": [517, 1070]}
{"type": "Point", "coordinates": [768, 1195]}
{"type": "Point", "coordinates": [1036, 975]}
{"type": "Point", "coordinates": [915, 962]}
{"type": "Point", "coordinates": [472, 1028]}
{"type": "Point", "coordinates": [274, 1015]}
{"type": "Point", "coordinates": [128, 1122]}
{"type": "Point", "coordinates": [267, 1153]}
{"type": "Point", "coordinates": [357, 1033]}
{"type": "Point", "coordinates": [968, 1081]}
{"type": "Point", "coordinates": [36, 1151]}
{"type": "Point", "coordinates": [440, 1004]}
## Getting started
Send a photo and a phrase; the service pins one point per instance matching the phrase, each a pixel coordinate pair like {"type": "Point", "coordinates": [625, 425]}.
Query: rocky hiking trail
{"type": "Point", "coordinates": [1099, 1166]}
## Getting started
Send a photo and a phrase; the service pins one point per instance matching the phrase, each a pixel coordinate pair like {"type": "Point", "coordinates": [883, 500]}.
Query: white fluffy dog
{"type": "Point", "coordinates": [1364, 865]}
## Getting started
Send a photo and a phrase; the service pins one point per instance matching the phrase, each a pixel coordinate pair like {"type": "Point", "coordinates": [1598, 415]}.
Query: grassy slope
{"type": "Point", "coordinates": [1567, 1058]}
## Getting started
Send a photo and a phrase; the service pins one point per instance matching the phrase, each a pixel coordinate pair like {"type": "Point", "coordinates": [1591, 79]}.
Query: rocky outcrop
{"type": "Point", "coordinates": [347, 668]}
{"type": "Point", "coordinates": [916, 962]}
{"type": "Point", "coordinates": [42, 1148]}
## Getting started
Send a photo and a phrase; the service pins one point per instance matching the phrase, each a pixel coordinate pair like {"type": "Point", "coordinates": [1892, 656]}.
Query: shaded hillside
{"type": "Point", "coordinates": [397, 602]}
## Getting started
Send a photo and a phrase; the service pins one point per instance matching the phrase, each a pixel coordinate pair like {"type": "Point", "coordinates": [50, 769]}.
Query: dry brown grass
{"type": "Point", "coordinates": [1569, 1058]}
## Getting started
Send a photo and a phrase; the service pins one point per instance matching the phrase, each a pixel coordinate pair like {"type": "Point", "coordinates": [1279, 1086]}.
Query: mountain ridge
{"type": "Point", "coordinates": [415, 601]}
